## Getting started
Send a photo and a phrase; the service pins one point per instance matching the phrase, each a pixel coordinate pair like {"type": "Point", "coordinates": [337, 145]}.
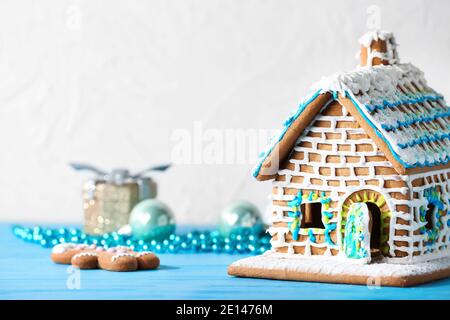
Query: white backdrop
{"type": "Point", "coordinates": [108, 82]}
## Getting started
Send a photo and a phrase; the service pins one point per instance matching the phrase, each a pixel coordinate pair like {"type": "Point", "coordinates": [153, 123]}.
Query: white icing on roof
{"type": "Point", "coordinates": [412, 118]}
{"type": "Point", "coordinates": [375, 84]}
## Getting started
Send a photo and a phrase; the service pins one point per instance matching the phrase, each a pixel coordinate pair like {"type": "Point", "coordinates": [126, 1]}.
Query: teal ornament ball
{"type": "Point", "coordinates": [240, 216]}
{"type": "Point", "coordinates": [151, 220]}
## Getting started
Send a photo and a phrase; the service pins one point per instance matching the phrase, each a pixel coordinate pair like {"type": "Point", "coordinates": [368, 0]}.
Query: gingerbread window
{"type": "Point", "coordinates": [429, 216]}
{"type": "Point", "coordinates": [312, 215]}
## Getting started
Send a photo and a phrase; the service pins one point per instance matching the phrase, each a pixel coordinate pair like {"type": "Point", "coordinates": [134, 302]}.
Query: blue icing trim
{"type": "Point", "coordinates": [431, 164]}
{"type": "Point", "coordinates": [434, 198]}
{"type": "Point", "coordinates": [424, 139]}
{"type": "Point", "coordinates": [335, 95]}
{"type": "Point", "coordinates": [296, 214]}
{"type": "Point", "coordinates": [328, 229]}
{"type": "Point", "coordinates": [414, 120]}
{"type": "Point", "coordinates": [328, 214]}
{"type": "Point", "coordinates": [311, 236]}
{"type": "Point", "coordinates": [287, 123]}
{"type": "Point", "coordinates": [393, 152]}
{"type": "Point", "coordinates": [294, 226]}
{"type": "Point", "coordinates": [410, 120]}
{"type": "Point", "coordinates": [378, 133]}
{"type": "Point", "coordinates": [420, 99]}
{"type": "Point", "coordinates": [324, 199]}
{"type": "Point", "coordinates": [297, 200]}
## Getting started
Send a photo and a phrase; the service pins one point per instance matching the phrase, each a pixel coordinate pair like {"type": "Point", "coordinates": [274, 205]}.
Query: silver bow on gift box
{"type": "Point", "coordinates": [109, 197]}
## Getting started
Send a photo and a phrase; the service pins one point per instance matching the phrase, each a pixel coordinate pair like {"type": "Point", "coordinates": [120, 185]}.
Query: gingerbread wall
{"type": "Point", "coordinates": [424, 240]}
{"type": "Point", "coordinates": [334, 158]}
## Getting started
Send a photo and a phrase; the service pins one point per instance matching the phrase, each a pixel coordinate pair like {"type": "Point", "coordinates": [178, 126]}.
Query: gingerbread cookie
{"type": "Point", "coordinates": [62, 253]}
{"type": "Point", "coordinates": [85, 260]}
{"type": "Point", "coordinates": [119, 258]}
{"type": "Point", "coordinates": [147, 260]}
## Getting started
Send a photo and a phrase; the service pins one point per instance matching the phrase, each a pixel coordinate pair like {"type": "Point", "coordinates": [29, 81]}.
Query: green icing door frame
{"type": "Point", "coordinates": [370, 196]}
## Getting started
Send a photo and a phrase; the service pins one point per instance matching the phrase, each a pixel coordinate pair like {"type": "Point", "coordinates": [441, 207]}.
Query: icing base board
{"type": "Point", "coordinates": [274, 266]}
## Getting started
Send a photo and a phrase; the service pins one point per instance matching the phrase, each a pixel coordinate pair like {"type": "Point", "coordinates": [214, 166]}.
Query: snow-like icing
{"type": "Point", "coordinates": [397, 102]}
{"type": "Point", "coordinates": [297, 263]}
{"type": "Point", "coordinates": [373, 85]}
{"type": "Point", "coordinates": [381, 92]}
{"type": "Point", "coordinates": [375, 35]}
{"type": "Point", "coordinates": [390, 55]}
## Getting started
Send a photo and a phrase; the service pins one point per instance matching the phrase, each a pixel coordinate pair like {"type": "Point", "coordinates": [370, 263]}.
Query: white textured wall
{"type": "Point", "coordinates": [110, 88]}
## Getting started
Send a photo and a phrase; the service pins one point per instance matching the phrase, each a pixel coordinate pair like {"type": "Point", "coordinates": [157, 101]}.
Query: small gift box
{"type": "Point", "coordinates": [109, 197]}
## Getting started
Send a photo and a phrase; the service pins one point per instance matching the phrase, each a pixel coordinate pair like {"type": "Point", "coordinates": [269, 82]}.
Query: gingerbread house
{"type": "Point", "coordinates": [360, 174]}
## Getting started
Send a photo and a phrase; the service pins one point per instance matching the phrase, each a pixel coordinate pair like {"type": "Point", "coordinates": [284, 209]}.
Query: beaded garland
{"type": "Point", "coordinates": [240, 242]}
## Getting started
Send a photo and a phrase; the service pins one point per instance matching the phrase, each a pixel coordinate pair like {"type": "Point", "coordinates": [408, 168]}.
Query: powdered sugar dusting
{"type": "Point", "coordinates": [391, 55]}
{"type": "Point", "coordinates": [275, 261]}
{"type": "Point", "coordinates": [375, 35]}
{"type": "Point", "coordinates": [374, 84]}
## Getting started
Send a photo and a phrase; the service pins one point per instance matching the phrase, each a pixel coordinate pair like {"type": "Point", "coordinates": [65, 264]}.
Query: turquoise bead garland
{"type": "Point", "coordinates": [239, 242]}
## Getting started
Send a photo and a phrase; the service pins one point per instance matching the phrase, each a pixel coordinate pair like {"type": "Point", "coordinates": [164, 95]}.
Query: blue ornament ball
{"type": "Point", "coordinates": [151, 219]}
{"type": "Point", "coordinates": [240, 216]}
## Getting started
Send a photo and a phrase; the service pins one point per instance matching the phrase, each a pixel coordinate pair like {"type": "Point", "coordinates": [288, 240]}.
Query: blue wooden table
{"type": "Point", "coordinates": [26, 272]}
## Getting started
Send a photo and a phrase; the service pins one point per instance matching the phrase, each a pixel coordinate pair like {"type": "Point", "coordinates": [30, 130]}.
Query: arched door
{"type": "Point", "coordinates": [378, 213]}
{"type": "Point", "coordinates": [357, 240]}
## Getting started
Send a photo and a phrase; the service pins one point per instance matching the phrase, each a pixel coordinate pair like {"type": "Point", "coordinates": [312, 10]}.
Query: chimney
{"type": "Point", "coordinates": [378, 48]}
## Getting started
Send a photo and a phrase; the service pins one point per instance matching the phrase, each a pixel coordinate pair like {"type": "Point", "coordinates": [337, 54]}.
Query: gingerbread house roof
{"type": "Point", "coordinates": [408, 120]}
